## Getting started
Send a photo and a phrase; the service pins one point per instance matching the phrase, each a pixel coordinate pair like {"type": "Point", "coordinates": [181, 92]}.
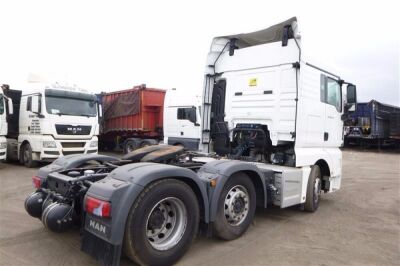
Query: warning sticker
{"type": "Point", "coordinates": [252, 82]}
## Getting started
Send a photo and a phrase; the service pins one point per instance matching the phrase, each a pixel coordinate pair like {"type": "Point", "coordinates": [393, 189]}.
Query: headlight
{"type": "Point", "coordinates": [94, 143]}
{"type": "Point", "coordinates": [3, 145]}
{"type": "Point", "coordinates": [49, 144]}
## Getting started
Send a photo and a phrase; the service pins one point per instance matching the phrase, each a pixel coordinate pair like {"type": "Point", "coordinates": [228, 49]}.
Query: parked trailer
{"type": "Point", "coordinates": [271, 131]}
{"type": "Point", "coordinates": [132, 118]}
{"type": "Point", "coordinates": [373, 123]}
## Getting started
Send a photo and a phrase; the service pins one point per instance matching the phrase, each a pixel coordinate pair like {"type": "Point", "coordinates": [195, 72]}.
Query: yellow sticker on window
{"type": "Point", "coordinates": [252, 82]}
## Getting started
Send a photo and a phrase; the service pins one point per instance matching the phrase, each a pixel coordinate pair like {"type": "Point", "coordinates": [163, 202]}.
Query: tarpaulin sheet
{"type": "Point", "coordinates": [124, 105]}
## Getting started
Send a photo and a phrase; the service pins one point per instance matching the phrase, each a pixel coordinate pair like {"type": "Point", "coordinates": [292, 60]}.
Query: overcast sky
{"type": "Point", "coordinates": [106, 46]}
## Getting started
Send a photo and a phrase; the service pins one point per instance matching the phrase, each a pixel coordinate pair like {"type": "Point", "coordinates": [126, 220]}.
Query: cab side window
{"type": "Point", "coordinates": [187, 113]}
{"type": "Point", "coordinates": [331, 92]}
{"type": "Point", "coordinates": [29, 103]}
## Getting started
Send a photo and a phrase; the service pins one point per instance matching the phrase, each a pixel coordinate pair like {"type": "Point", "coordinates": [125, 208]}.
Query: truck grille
{"type": "Point", "coordinates": [72, 152]}
{"type": "Point", "coordinates": [72, 144]}
{"type": "Point", "coordinates": [73, 130]}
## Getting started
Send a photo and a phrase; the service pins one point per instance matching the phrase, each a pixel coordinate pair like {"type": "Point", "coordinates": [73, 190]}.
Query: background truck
{"type": "Point", "coordinates": [51, 120]}
{"type": "Point", "coordinates": [142, 116]}
{"type": "Point", "coordinates": [271, 131]}
{"type": "Point", "coordinates": [182, 119]}
{"type": "Point", "coordinates": [6, 109]}
{"type": "Point", "coordinates": [373, 123]}
{"type": "Point", "coordinates": [132, 118]}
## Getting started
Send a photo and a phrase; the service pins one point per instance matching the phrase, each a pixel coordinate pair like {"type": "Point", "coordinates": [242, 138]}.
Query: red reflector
{"type": "Point", "coordinates": [98, 207]}
{"type": "Point", "coordinates": [37, 182]}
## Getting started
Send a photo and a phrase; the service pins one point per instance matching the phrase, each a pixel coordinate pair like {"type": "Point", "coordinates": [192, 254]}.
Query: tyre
{"type": "Point", "coordinates": [27, 156]}
{"type": "Point", "coordinates": [313, 189]}
{"type": "Point", "coordinates": [162, 223]}
{"type": "Point", "coordinates": [130, 146]}
{"type": "Point", "coordinates": [146, 143]}
{"type": "Point", "coordinates": [236, 207]}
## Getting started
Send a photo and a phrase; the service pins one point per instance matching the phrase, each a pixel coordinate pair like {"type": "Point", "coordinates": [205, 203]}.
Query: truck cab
{"type": "Point", "coordinates": [53, 120]}
{"type": "Point", "coordinates": [281, 108]}
{"type": "Point", "coordinates": [182, 120]}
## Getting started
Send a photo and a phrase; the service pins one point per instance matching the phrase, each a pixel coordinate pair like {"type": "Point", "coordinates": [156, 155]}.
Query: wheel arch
{"type": "Point", "coordinates": [124, 185]}
{"type": "Point", "coordinates": [325, 172]}
{"type": "Point", "coordinates": [261, 197]}
{"type": "Point", "coordinates": [324, 167]}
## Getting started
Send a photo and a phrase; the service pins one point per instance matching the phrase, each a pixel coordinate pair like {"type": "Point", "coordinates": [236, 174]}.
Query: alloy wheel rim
{"type": "Point", "coordinates": [166, 223]}
{"type": "Point", "coordinates": [236, 205]}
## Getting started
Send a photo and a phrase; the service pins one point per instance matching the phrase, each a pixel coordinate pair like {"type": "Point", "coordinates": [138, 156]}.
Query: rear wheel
{"type": "Point", "coordinates": [236, 207]}
{"type": "Point", "coordinates": [313, 189]}
{"type": "Point", "coordinates": [162, 223]}
{"type": "Point", "coordinates": [27, 156]}
{"type": "Point", "coordinates": [147, 142]}
{"type": "Point", "coordinates": [130, 146]}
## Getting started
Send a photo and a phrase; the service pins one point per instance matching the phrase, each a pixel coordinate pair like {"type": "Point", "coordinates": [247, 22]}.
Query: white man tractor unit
{"type": "Point", "coordinates": [270, 135]}
{"type": "Point", "coordinates": [49, 121]}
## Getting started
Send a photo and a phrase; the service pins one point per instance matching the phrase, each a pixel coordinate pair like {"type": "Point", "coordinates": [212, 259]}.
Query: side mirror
{"type": "Point", "coordinates": [35, 104]}
{"type": "Point", "coordinates": [100, 110]}
{"type": "Point", "coordinates": [192, 115]}
{"type": "Point", "coordinates": [10, 107]}
{"type": "Point", "coordinates": [351, 98]}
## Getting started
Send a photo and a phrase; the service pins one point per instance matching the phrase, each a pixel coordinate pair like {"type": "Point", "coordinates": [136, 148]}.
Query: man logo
{"type": "Point", "coordinates": [98, 227]}
{"type": "Point", "coordinates": [74, 130]}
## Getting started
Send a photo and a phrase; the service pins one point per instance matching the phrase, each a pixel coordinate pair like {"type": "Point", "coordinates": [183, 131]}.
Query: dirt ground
{"type": "Point", "coordinates": [358, 225]}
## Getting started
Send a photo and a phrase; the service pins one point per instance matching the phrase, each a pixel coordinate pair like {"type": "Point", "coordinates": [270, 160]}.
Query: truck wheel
{"type": "Point", "coordinates": [148, 142]}
{"type": "Point", "coordinates": [130, 146]}
{"type": "Point", "coordinates": [145, 143]}
{"type": "Point", "coordinates": [313, 189]}
{"type": "Point", "coordinates": [27, 156]}
{"type": "Point", "coordinates": [162, 223]}
{"type": "Point", "coordinates": [236, 207]}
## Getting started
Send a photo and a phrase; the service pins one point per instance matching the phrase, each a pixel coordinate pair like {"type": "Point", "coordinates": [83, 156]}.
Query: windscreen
{"type": "Point", "coordinates": [70, 103]}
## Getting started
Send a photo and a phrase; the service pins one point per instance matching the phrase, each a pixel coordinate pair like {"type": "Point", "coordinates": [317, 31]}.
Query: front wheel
{"type": "Point", "coordinates": [27, 156]}
{"type": "Point", "coordinates": [236, 207]}
{"type": "Point", "coordinates": [162, 223]}
{"type": "Point", "coordinates": [313, 189]}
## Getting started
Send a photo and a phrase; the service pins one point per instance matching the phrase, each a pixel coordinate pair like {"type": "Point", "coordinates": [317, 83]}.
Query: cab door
{"type": "Point", "coordinates": [332, 97]}
{"type": "Point", "coordinates": [188, 126]}
{"type": "Point", "coordinates": [171, 123]}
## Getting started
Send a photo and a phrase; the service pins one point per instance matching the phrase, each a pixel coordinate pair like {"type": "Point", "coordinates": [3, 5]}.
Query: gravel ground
{"type": "Point", "coordinates": [358, 225]}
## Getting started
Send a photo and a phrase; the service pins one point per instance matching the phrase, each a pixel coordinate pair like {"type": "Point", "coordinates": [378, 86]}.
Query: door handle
{"type": "Point", "coordinates": [326, 136]}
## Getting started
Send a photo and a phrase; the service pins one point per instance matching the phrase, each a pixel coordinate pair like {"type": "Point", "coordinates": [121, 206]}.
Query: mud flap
{"type": "Point", "coordinates": [105, 253]}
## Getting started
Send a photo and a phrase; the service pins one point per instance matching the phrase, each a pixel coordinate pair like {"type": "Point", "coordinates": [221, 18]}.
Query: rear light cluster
{"type": "Point", "coordinates": [97, 207]}
{"type": "Point", "coordinates": [37, 182]}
